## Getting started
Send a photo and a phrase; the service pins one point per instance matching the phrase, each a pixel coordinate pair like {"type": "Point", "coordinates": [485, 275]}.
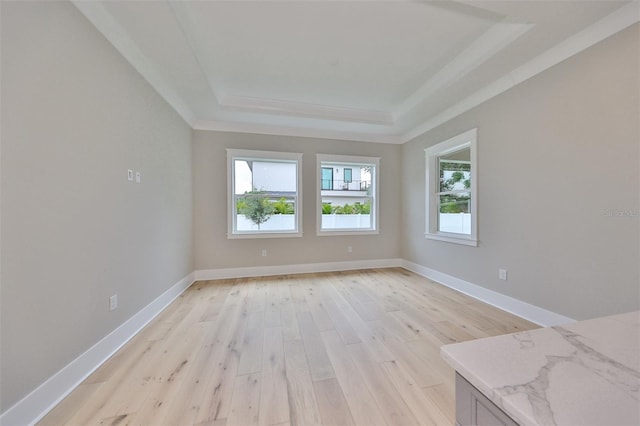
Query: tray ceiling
{"type": "Point", "coordinates": [378, 71]}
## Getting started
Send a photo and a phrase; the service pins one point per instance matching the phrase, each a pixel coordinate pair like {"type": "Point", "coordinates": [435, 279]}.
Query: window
{"type": "Point", "coordinates": [327, 178]}
{"type": "Point", "coordinates": [264, 198]}
{"type": "Point", "coordinates": [348, 175]}
{"type": "Point", "coordinates": [347, 195]}
{"type": "Point", "coordinates": [451, 210]}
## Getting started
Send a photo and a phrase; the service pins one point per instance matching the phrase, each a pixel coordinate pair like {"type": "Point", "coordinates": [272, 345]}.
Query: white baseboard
{"type": "Point", "coordinates": [39, 402]}
{"type": "Point", "coordinates": [517, 307]}
{"type": "Point", "coordinates": [263, 271]}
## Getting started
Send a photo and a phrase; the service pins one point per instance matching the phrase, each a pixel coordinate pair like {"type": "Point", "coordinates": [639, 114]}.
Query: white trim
{"type": "Point", "coordinates": [45, 397]}
{"type": "Point", "coordinates": [184, 20]}
{"type": "Point", "coordinates": [105, 23]}
{"type": "Point", "coordinates": [271, 156]}
{"type": "Point", "coordinates": [496, 38]}
{"type": "Point", "coordinates": [264, 234]}
{"type": "Point", "coordinates": [468, 139]}
{"type": "Point", "coordinates": [517, 307]}
{"type": "Point", "coordinates": [301, 109]}
{"type": "Point", "coordinates": [452, 238]}
{"type": "Point", "coordinates": [281, 130]}
{"type": "Point", "coordinates": [499, 36]}
{"type": "Point", "coordinates": [347, 231]}
{"type": "Point", "coordinates": [606, 27]}
{"type": "Point", "coordinates": [375, 183]}
{"type": "Point", "coordinates": [266, 155]}
{"type": "Point", "coordinates": [264, 271]}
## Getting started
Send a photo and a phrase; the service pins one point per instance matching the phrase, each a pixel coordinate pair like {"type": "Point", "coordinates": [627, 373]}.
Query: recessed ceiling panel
{"type": "Point", "coordinates": [347, 54]}
{"type": "Point", "coordinates": [381, 71]}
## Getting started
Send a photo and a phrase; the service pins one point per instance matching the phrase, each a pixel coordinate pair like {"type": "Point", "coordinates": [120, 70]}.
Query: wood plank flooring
{"type": "Point", "coordinates": [342, 348]}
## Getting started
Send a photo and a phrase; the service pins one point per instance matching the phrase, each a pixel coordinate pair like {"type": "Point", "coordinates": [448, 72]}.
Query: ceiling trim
{"type": "Point", "coordinates": [185, 22]}
{"type": "Point", "coordinates": [494, 39]}
{"type": "Point", "coordinates": [267, 129]}
{"type": "Point", "coordinates": [479, 51]}
{"type": "Point", "coordinates": [600, 30]}
{"type": "Point", "coordinates": [96, 13]}
{"type": "Point", "coordinates": [301, 109]}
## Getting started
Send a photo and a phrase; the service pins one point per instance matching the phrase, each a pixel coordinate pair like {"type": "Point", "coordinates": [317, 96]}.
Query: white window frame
{"type": "Point", "coordinates": [245, 154]}
{"type": "Point", "coordinates": [348, 160]}
{"type": "Point", "coordinates": [465, 140]}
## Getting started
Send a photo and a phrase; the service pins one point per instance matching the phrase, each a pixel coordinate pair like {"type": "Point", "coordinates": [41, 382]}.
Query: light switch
{"type": "Point", "coordinates": [138, 177]}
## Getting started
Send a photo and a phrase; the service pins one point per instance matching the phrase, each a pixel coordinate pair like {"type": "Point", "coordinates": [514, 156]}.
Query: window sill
{"type": "Point", "coordinates": [329, 233]}
{"type": "Point", "coordinates": [264, 235]}
{"type": "Point", "coordinates": [467, 241]}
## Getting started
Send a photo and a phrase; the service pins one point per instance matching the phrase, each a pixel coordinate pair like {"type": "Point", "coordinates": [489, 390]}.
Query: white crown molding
{"type": "Point", "coordinates": [266, 129]}
{"type": "Point", "coordinates": [301, 109]}
{"type": "Point", "coordinates": [185, 22]}
{"type": "Point", "coordinates": [98, 15]}
{"type": "Point", "coordinates": [45, 397]}
{"type": "Point", "coordinates": [495, 39]}
{"type": "Point", "coordinates": [517, 307]}
{"type": "Point", "coordinates": [479, 51]}
{"type": "Point", "coordinates": [600, 30]}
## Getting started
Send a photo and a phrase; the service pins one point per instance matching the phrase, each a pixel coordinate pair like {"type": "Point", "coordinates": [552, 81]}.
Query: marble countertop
{"type": "Point", "coordinates": [583, 373]}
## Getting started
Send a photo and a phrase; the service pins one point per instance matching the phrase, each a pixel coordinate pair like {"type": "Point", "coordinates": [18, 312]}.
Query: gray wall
{"type": "Point", "coordinates": [214, 250]}
{"type": "Point", "coordinates": [75, 117]}
{"type": "Point", "coordinates": [555, 154]}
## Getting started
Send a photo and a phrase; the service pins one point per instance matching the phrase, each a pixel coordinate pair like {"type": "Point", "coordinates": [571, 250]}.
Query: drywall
{"type": "Point", "coordinates": [558, 184]}
{"type": "Point", "coordinates": [212, 248]}
{"type": "Point", "coordinates": [75, 117]}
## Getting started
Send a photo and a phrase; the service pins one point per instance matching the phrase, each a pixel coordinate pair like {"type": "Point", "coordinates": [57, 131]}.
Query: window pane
{"type": "Point", "coordinates": [348, 175]}
{"type": "Point", "coordinates": [259, 211]}
{"type": "Point", "coordinates": [264, 194]}
{"type": "Point", "coordinates": [454, 214]}
{"type": "Point", "coordinates": [261, 175]}
{"type": "Point", "coordinates": [243, 177]}
{"type": "Point", "coordinates": [455, 171]}
{"type": "Point", "coordinates": [354, 213]}
{"type": "Point", "coordinates": [327, 178]}
{"type": "Point", "coordinates": [347, 194]}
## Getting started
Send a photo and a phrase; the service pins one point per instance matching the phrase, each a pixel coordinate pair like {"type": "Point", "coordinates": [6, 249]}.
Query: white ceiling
{"type": "Point", "coordinates": [378, 71]}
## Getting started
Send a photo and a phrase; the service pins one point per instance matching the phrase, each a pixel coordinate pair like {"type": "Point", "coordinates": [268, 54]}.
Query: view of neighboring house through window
{"type": "Point", "coordinates": [451, 190]}
{"type": "Point", "coordinates": [347, 194]}
{"type": "Point", "coordinates": [264, 198]}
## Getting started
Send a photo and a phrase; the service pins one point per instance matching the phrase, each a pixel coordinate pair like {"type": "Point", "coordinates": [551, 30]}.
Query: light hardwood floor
{"type": "Point", "coordinates": [342, 348]}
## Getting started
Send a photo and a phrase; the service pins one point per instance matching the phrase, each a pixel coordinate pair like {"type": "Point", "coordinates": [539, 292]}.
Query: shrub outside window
{"type": "Point", "coordinates": [264, 198]}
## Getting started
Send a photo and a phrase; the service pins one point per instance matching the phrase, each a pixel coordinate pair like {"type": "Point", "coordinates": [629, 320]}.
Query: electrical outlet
{"type": "Point", "coordinates": [349, 249]}
{"type": "Point", "coordinates": [264, 252]}
{"type": "Point", "coordinates": [502, 274]}
{"type": "Point", "coordinates": [138, 177]}
{"type": "Point", "coordinates": [113, 302]}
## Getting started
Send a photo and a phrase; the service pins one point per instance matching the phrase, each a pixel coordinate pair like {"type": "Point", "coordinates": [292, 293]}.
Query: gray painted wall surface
{"type": "Point", "coordinates": [213, 249]}
{"type": "Point", "coordinates": [555, 154]}
{"type": "Point", "coordinates": [75, 117]}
